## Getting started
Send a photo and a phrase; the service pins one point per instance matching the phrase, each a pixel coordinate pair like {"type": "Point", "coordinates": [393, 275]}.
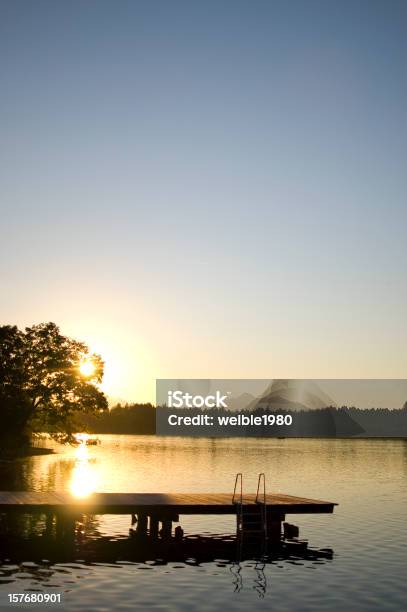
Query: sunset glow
{"type": "Point", "coordinates": [84, 478]}
{"type": "Point", "coordinates": [86, 368]}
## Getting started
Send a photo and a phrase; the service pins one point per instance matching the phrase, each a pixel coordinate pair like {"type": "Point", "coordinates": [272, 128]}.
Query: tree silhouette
{"type": "Point", "coordinates": [41, 385]}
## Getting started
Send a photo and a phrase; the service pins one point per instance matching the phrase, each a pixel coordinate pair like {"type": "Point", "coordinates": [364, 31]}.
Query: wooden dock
{"type": "Point", "coordinates": [148, 510]}
{"type": "Point", "coordinates": [161, 503]}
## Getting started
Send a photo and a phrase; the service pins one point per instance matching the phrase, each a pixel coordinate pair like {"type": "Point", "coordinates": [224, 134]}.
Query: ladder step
{"type": "Point", "coordinates": [252, 517]}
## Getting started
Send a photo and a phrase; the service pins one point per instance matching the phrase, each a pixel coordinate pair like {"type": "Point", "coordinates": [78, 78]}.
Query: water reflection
{"type": "Point", "coordinates": [85, 477]}
{"type": "Point", "coordinates": [260, 582]}
{"type": "Point", "coordinates": [40, 560]}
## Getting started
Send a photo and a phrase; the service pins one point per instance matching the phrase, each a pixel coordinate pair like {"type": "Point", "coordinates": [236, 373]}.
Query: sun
{"type": "Point", "coordinates": [86, 368]}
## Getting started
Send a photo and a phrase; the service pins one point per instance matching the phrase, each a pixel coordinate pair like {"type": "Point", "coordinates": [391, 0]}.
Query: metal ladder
{"type": "Point", "coordinates": [249, 522]}
{"type": "Point", "coordinates": [251, 519]}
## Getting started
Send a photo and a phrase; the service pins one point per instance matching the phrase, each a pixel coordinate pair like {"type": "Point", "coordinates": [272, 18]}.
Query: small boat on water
{"type": "Point", "coordinates": [86, 440]}
{"type": "Point", "coordinates": [92, 441]}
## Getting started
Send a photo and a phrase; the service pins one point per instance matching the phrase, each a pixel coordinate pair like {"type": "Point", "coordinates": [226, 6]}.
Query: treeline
{"type": "Point", "coordinates": [380, 421]}
{"type": "Point", "coordinates": [328, 422]}
{"type": "Point", "coordinates": [126, 419]}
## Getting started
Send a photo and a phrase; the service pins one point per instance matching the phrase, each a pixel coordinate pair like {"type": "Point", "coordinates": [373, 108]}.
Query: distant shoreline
{"type": "Point", "coordinates": [33, 451]}
{"type": "Point", "coordinates": [30, 451]}
{"type": "Point", "coordinates": [106, 433]}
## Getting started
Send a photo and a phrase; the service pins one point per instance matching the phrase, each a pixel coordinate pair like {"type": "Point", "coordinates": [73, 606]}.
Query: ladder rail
{"type": "Point", "coordinates": [262, 479]}
{"type": "Point", "coordinates": [239, 502]}
{"type": "Point", "coordinates": [239, 478]}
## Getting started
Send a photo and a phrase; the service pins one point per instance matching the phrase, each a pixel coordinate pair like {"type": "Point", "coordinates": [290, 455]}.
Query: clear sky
{"type": "Point", "coordinates": [208, 189]}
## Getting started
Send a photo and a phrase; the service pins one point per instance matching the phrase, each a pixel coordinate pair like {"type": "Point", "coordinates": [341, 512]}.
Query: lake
{"type": "Point", "coordinates": [367, 531]}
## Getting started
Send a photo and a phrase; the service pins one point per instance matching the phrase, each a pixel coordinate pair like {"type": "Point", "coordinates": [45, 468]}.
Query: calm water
{"type": "Point", "coordinates": [367, 532]}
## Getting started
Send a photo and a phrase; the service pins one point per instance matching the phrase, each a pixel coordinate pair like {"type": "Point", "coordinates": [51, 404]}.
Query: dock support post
{"type": "Point", "coordinates": [274, 527]}
{"type": "Point", "coordinates": [142, 524]}
{"type": "Point", "coordinates": [166, 529]}
{"type": "Point", "coordinates": [49, 521]}
{"type": "Point", "coordinates": [65, 527]}
{"type": "Point", "coordinates": [153, 527]}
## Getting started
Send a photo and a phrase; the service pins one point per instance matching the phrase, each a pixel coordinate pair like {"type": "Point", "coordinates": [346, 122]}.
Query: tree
{"type": "Point", "coordinates": [46, 379]}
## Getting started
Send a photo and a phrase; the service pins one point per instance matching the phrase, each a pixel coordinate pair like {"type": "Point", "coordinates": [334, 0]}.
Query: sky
{"type": "Point", "coordinates": [208, 189]}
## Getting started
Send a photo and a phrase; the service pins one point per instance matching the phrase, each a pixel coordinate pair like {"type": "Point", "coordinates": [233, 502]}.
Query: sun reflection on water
{"type": "Point", "coordinates": [84, 479]}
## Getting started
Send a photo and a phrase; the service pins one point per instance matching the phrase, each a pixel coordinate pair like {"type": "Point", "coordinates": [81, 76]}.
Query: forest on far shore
{"type": "Point", "coordinates": [141, 419]}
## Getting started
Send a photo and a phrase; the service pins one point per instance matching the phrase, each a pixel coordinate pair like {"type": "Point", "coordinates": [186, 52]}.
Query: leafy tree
{"type": "Point", "coordinates": [44, 384]}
